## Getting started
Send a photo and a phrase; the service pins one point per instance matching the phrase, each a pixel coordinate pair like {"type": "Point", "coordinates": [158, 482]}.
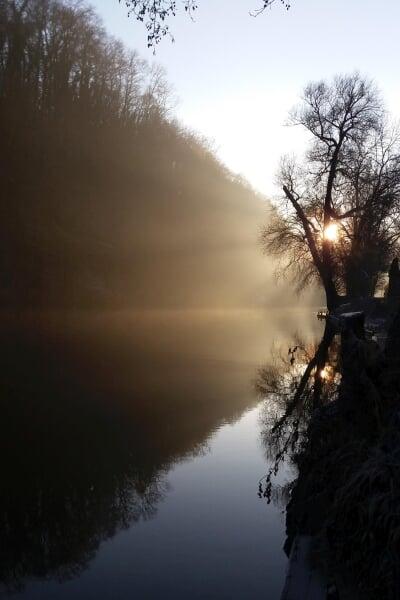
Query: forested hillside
{"type": "Point", "coordinates": [105, 198]}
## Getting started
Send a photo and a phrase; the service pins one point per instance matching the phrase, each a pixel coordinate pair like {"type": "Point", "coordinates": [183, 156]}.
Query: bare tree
{"type": "Point", "coordinates": [342, 199]}
{"type": "Point", "coordinates": [369, 238]}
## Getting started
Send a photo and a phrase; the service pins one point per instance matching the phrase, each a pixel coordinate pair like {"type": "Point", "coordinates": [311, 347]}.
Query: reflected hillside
{"type": "Point", "coordinates": [71, 474]}
{"type": "Point", "coordinates": [96, 409]}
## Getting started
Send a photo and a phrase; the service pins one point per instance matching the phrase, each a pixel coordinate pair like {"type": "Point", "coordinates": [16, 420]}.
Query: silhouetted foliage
{"type": "Point", "coordinates": [349, 179]}
{"type": "Point", "coordinates": [102, 192]}
{"type": "Point", "coordinates": [155, 14]}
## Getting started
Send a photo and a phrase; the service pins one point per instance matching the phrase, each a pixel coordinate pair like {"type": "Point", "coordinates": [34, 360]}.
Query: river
{"type": "Point", "coordinates": [131, 449]}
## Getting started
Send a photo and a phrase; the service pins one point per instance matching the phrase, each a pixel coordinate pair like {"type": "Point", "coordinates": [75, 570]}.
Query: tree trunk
{"type": "Point", "coordinates": [326, 272]}
{"type": "Point", "coordinates": [332, 297]}
{"type": "Point", "coordinates": [324, 266]}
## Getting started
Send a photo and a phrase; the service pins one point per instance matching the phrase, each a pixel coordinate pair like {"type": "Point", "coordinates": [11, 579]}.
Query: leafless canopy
{"type": "Point", "coordinates": [349, 176]}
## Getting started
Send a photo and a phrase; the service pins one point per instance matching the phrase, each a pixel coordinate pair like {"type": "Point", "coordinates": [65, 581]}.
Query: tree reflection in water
{"type": "Point", "coordinates": [70, 480]}
{"type": "Point", "coordinates": [294, 384]}
{"type": "Point", "coordinates": [95, 412]}
{"type": "Point", "coordinates": [75, 466]}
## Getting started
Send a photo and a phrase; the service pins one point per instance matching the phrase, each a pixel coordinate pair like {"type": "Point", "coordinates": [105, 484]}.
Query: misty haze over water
{"type": "Point", "coordinates": [130, 454]}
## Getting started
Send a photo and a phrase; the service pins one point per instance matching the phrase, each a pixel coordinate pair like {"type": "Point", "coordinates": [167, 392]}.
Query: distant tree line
{"type": "Point", "coordinates": [57, 57]}
{"type": "Point", "coordinates": [103, 194]}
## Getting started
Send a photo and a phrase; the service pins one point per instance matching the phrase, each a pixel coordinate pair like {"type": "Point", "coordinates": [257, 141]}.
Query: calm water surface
{"type": "Point", "coordinates": [131, 449]}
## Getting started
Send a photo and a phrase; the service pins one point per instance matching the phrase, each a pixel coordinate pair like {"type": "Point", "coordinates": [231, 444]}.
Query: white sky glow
{"type": "Point", "coordinates": [236, 77]}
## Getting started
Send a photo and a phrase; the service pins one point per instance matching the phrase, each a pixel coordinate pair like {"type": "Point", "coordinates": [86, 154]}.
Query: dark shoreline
{"type": "Point", "coordinates": [342, 525]}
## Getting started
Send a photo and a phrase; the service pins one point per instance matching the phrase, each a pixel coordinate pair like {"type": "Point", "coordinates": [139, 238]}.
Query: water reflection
{"type": "Point", "coordinates": [341, 432]}
{"type": "Point", "coordinates": [95, 412]}
{"type": "Point", "coordinates": [71, 469]}
{"type": "Point", "coordinates": [294, 384]}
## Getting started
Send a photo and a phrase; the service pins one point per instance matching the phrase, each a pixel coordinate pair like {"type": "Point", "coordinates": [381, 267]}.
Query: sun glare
{"type": "Point", "coordinates": [331, 232]}
{"type": "Point", "coordinates": [324, 373]}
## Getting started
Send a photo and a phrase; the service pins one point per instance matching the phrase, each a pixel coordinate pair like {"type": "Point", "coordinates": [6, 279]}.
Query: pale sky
{"type": "Point", "coordinates": [236, 77]}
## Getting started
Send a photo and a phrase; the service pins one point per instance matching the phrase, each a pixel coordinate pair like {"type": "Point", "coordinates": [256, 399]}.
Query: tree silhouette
{"type": "Point", "coordinates": [338, 219]}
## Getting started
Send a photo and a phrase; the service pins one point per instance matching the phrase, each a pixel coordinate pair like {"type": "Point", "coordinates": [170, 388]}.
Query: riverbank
{"type": "Point", "coordinates": [345, 500]}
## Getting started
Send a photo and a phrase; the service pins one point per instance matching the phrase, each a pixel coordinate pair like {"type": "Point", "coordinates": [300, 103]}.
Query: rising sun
{"type": "Point", "coordinates": [331, 232]}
